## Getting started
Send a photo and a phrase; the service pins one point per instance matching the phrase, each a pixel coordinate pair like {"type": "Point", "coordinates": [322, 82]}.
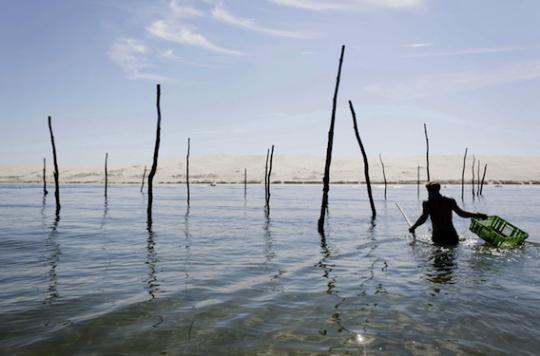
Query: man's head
{"type": "Point", "coordinates": [433, 187]}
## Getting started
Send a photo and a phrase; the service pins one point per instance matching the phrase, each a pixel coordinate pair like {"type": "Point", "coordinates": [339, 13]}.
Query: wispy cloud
{"type": "Point", "coordinates": [347, 5]}
{"type": "Point", "coordinates": [184, 10]}
{"type": "Point", "coordinates": [131, 55]}
{"type": "Point", "coordinates": [457, 82]}
{"type": "Point", "coordinates": [418, 45]}
{"type": "Point", "coordinates": [180, 33]}
{"type": "Point", "coordinates": [467, 51]}
{"type": "Point", "coordinates": [220, 13]}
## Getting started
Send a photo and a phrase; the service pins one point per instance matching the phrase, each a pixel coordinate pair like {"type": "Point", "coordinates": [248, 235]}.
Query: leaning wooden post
{"type": "Point", "coordinates": [326, 178]}
{"type": "Point", "coordinates": [245, 182]}
{"type": "Point", "coordinates": [427, 153]}
{"type": "Point", "coordinates": [483, 177]}
{"type": "Point", "coordinates": [45, 191]}
{"type": "Point", "coordinates": [366, 165]}
{"type": "Point", "coordinates": [155, 160]}
{"type": "Point", "coordinates": [384, 175]}
{"type": "Point", "coordinates": [266, 178]}
{"type": "Point", "coordinates": [106, 173]}
{"type": "Point", "coordinates": [187, 169]}
{"type": "Point", "coordinates": [463, 174]}
{"type": "Point", "coordinates": [269, 181]}
{"type": "Point", "coordinates": [55, 172]}
{"type": "Point", "coordinates": [478, 178]}
{"type": "Point", "coordinates": [472, 169]}
{"type": "Point", "coordinates": [143, 177]}
{"type": "Point", "coordinates": [418, 181]}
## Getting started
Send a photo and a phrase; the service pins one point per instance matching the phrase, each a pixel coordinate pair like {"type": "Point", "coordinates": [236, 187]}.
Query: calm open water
{"type": "Point", "coordinates": [220, 278]}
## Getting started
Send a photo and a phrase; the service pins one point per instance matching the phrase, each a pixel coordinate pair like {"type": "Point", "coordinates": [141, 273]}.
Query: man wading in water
{"type": "Point", "coordinates": [439, 208]}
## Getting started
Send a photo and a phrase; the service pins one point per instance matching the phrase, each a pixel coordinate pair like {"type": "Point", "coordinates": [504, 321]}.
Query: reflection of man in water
{"type": "Point", "coordinates": [439, 208]}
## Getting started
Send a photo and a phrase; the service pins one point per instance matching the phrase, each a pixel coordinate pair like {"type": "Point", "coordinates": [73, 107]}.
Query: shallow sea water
{"type": "Point", "coordinates": [220, 278]}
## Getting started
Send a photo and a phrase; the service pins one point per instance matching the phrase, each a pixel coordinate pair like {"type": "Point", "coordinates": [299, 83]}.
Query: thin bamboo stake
{"type": "Point", "coordinates": [478, 178]}
{"type": "Point", "coordinates": [266, 177]}
{"type": "Point", "coordinates": [427, 153]}
{"type": "Point", "coordinates": [187, 169]}
{"type": "Point", "coordinates": [384, 175]}
{"type": "Point", "coordinates": [366, 164]}
{"type": "Point", "coordinates": [143, 177]}
{"type": "Point", "coordinates": [269, 181]}
{"type": "Point", "coordinates": [483, 177]}
{"type": "Point", "coordinates": [155, 158]}
{"type": "Point", "coordinates": [245, 182]}
{"type": "Point", "coordinates": [55, 172]}
{"type": "Point", "coordinates": [45, 191]}
{"type": "Point", "coordinates": [418, 182]}
{"type": "Point", "coordinates": [326, 178]}
{"type": "Point", "coordinates": [472, 181]}
{"type": "Point", "coordinates": [106, 173]}
{"type": "Point", "coordinates": [463, 174]}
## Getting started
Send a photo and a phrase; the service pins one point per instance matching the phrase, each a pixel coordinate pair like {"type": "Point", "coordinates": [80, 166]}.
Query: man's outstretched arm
{"type": "Point", "coordinates": [422, 219]}
{"type": "Point", "coordinates": [466, 214]}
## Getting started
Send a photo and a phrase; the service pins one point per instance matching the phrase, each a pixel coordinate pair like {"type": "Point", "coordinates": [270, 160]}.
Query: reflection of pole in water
{"type": "Point", "coordinates": [151, 261]}
{"type": "Point", "coordinates": [187, 247]}
{"type": "Point", "coordinates": [105, 211]}
{"type": "Point", "coordinates": [52, 290]}
{"type": "Point", "coordinates": [268, 242]}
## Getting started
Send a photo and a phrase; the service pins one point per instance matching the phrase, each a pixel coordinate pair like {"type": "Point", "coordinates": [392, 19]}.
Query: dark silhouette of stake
{"type": "Point", "coordinates": [427, 153]}
{"type": "Point", "coordinates": [366, 164]}
{"type": "Point", "coordinates": [143, 177]}
{"type": "Point", "coordinates": [418, 182]}
{"type": "Point", "coordinates": [266, 177]}
{"type": "Point", "coordinates": [483, 177]}
{"type": "Point", "coordinates": [55, 172]}
{"type": "Point", "coordinates": [326, 178]}
{"type": "Point", "coordinates": [472, 169]}
{"type": "Point", "coordinates": [45, 191]}
{"type": "Point", "coordinates": [106, 173]}
{"type": "Point", "coordinates": [463, 174]}
{"type": "Point", "coordinates": [269, 180]}
{"type": "Point", "coordinates": [384, 175]}
{"type": "Point", "coordinates": [155, 160]}
{"type": "Point", "coordinates": [187, 169]}
{"type": "Point", "coordinates": [245, 182]}
{"type": "Point", "coordinates": [478, 178]}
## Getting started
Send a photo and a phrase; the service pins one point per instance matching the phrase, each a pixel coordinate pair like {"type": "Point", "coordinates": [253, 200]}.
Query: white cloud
{"type": "Point", "coordinates": [418, 45]}
{"type": "Point", "coordinates": [468, 51]}
{"type": "Point", "coordinates": [221, 14]}
{"type": "Point", "coordinates": [183, 10]}
{"type": "Point", "coordinates": [131, 56]}
{"type": "Point", "coordinates": [347, 5]}
{"type": "Point", "coordinates": [458, 82]}
{"type": "Point", "coordinates": [181, 34]}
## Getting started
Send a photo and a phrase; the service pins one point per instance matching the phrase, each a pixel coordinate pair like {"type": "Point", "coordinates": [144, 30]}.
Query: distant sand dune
{"type": "Point", "coordinates": [293, 169]}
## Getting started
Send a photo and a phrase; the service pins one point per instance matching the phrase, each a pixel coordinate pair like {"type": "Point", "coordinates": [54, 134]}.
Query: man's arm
{"type": "Point", "coordinates": [466, 214]}
{"type": "Point", "coordinates": [422, 219]}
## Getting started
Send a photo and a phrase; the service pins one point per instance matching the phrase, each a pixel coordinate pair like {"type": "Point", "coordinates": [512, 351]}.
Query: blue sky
{"type": "Point", "coordinates": [239, 75]}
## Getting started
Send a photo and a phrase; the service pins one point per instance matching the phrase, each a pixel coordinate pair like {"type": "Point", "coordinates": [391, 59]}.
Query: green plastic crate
{"type": "Point", "coordinates": [498, 232]}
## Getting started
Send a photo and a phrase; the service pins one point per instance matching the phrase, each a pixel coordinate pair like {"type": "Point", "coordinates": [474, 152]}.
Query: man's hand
{"type": "Point", "coordinates": [481, 216]}
{"type": "Point", "coordinates": [411, 229]}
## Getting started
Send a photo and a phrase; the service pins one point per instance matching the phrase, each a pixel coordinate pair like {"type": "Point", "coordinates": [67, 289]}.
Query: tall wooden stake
{"type": "Point", "coordinates": [472, 169]}
{"type": "Point", "coordinates": [418, 182]}
{"type": "Point", "coordinates": [269, 181]}
{"type": "Point", "coordinates": [366, 165]}
{"type": "Point", "coordinates": [55, 172]}
{"type": "Point", "coordinates": [187, 169]}
{"type": "Point", "coordinates": [245, 182]}
{"type": "Point", "coordinates": [478, 178]}
{"type": "Point", "coordinates": [483, 177]}
{"type": "Point", "coordinates": [384, 175]}
{"type": "Point", "coordinates": [106, 173]}
{"type": "Point", "coordinates": [143, 177]}
{"type": "Point", "coordinates": [45, 191]}
{"type": "Point", "coordinates": [463, 174]}
{"type": "Point", "coordinates": [427, 153]}
{"type": "Point", "coordinates": [266, 177]}
{"type": "Point", "coordinates": [155, 159]}
{"type": "Point", "coordinates": [326, 178]}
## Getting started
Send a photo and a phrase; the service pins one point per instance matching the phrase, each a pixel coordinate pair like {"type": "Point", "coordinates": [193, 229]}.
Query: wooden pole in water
{"type": "Point", "coordinates": [45, 191]}
{"type": "Point", "coordinates": [463, 174]}
{"type": "Point", "coordinates": [326, 178]}
{"type": "Point", "coordinates": [483, 177]}
{"type": "Point", "coordinates": [106, 173]}
{"type": "Point", "coordinates": [55, 172]}
{"type": "Point", "coordinates": [366, 165]}
{"type": "Point", "coordinates": [143, 177]}
{"type": "Point", "coordinates": [245, 182]}
{"type": "Point", "coordinates": [418, 181]}
{"type": "Point", "coordinates": [269, 180]}
{"type": "Point", "coordinates": [427, 153]}
{"type": "Point", "coordinates": [472, 181]}
{"type": "Point", "coordinates": [153, 169]}
{"type": "Point", "coordinates": [266, 178]}
{"type": "Point", "coordinates": [187, 169]}
{"type": "Point", "coordinates": [384, 175]}
{"type": "Point", "coordinates": [478, 178]}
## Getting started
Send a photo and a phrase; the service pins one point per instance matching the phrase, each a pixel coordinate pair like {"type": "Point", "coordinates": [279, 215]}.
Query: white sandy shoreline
{"type": "Point", "coordinates": [292, 169]}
